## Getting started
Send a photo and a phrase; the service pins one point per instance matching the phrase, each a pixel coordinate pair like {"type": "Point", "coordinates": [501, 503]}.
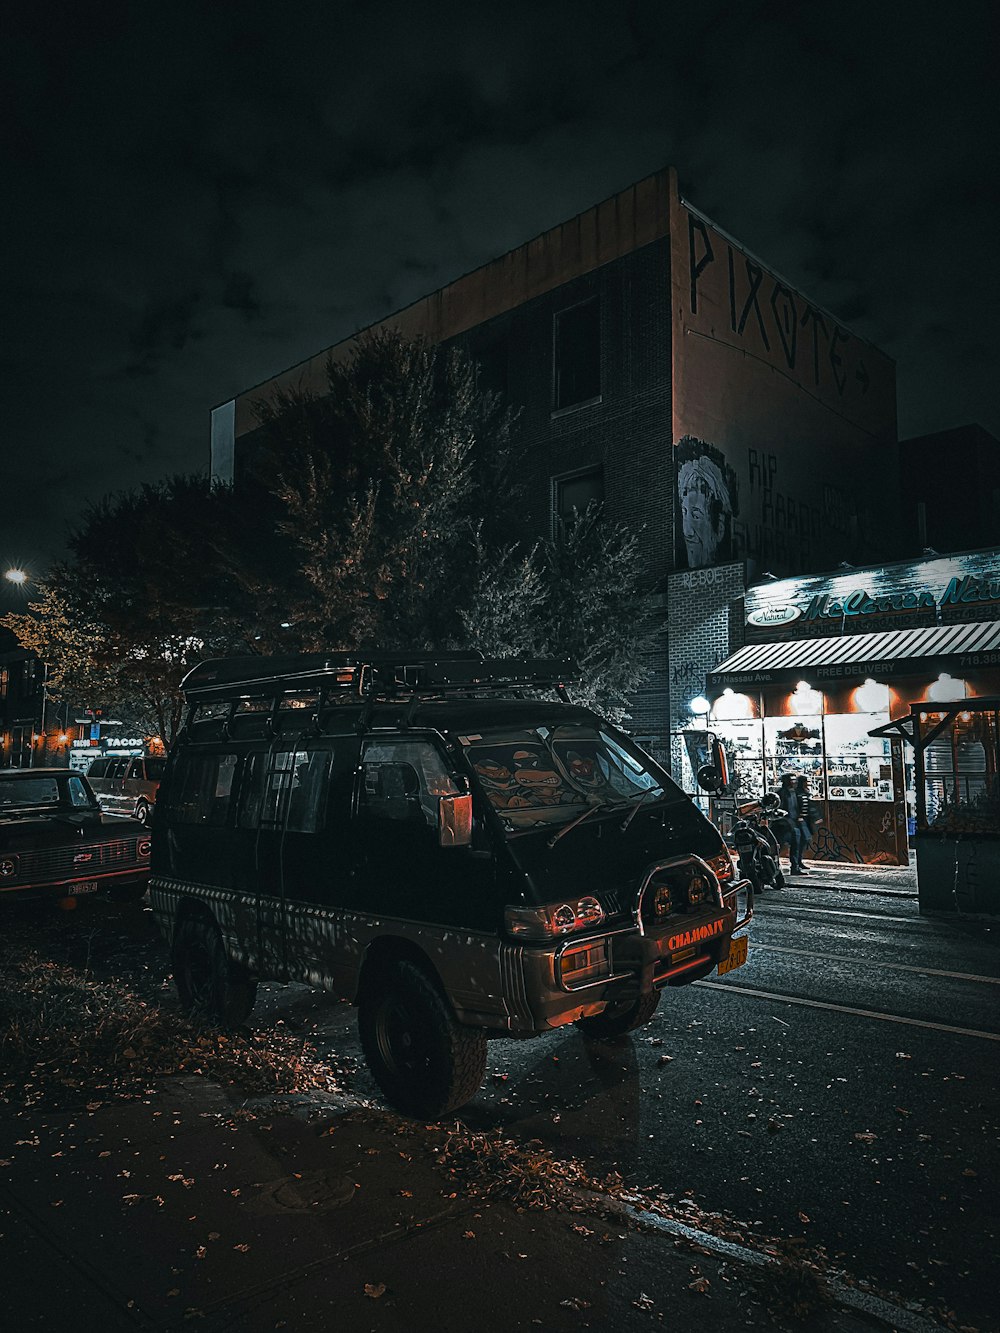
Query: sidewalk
{"type": "Point", "coordinates": [885, 880]}
{"type": "Point", "coordinates": [187, 1209]}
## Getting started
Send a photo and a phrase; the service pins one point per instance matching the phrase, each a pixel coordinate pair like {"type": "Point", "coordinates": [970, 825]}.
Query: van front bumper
{"type": "Point", "coordinates": [687, 948]}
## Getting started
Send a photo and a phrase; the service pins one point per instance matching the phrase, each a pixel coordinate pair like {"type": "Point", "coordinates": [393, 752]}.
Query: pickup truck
{"type": "Point", "coordinates": [55, 842]}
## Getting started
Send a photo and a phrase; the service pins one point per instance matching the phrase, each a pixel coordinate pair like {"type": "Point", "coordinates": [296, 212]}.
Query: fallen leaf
{"type": "Point", "coordinates": [374, 1290]}
{"type": "Point", "coordinates": [644, 1302]}
{"type": "Point", "coordinates": [575, 1303]}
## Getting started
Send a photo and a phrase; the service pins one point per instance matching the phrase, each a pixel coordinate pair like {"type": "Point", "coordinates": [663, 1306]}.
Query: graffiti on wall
{"type": "Point", "coordinates": [801, 339]}
{"type": "Point", "coordinates": [801, 410]}
{"type": "Point", "coordinates": [707, 503]}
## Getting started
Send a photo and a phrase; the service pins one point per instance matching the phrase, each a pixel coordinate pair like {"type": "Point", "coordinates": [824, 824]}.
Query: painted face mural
{"type": "Point", "coordinates": [706, 496]}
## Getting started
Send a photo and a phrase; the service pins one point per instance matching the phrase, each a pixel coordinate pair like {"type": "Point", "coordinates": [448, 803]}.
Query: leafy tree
{"type": "Point", "coordinates": [578, 596]}
{"type": "Point", "coordinates": [382, 489]}
{"type": "Point", "coordinates": [143, 598]}
{"type": "Point", "coordinates": [382, 513]}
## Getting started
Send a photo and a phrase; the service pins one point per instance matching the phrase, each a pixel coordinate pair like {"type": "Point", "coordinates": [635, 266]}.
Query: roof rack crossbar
{"type": "Point", "coordinates": [384, 674]}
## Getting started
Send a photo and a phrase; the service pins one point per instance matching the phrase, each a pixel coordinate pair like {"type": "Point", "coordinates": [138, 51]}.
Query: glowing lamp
{"type": "Point", "coordinates": [946, 688]}
{"type": "Point", "coordinates": [805, 701]}
{"type": "Point", "coordinates": [731, 707]}
{"type": "Point", "coordinates": [871, 697]}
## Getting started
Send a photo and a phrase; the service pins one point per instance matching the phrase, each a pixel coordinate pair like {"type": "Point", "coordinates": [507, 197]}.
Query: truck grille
{"type": "Point", "coordinates": [78, 862]}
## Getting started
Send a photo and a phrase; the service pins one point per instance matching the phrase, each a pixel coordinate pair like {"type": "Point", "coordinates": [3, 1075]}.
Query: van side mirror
{"type": "Point", "coordinates": [455, 821]}
{"type": "Point", "coordinates": [714, 777]}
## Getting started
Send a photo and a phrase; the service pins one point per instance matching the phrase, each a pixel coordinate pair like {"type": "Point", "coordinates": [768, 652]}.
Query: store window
{"type": "Point", "coordinates": [576, 367]}
{"type": "Point", "coordinates": [961, 791]}
{"type": "Point", "coordinates": [794, 745]}
{"type": "Point", "coordinates": [858, 766]}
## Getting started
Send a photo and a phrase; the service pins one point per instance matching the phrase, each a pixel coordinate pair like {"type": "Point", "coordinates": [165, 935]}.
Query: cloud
{"type": "Point", "coordinates": [206, 195]}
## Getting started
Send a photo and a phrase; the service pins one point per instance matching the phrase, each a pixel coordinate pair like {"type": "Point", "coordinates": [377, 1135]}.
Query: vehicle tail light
{"type": "Point", "coordinates": [554, 919]}
{"type": "Point", "coordinates": [722, 864]}
{"type": "Point", "coordinates": [584, 963]}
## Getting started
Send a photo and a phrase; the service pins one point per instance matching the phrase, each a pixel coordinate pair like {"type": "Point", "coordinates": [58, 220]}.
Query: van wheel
{"type": "Point", "coordinates": [142, 813]}
{"type": "Point", "coordinates": [212, 988]}
{"type": "Point", "coordinates": [426, 1063]}
{"type": "Point", "coordinates": [621, 1018]}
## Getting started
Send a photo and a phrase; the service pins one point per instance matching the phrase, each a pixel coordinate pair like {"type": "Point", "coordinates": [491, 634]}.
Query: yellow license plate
{"type": "Point", "coordinates": [737, 955]}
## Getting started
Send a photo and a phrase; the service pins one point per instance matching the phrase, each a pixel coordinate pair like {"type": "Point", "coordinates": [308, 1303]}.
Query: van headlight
{"type": "Point", "coordinates": [554, 919]}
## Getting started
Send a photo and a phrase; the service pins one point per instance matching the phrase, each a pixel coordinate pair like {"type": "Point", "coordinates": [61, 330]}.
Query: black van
{"type": "Point", "coordinates": [439, 842]}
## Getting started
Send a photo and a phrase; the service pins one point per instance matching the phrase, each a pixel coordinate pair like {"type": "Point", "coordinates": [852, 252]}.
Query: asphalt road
{"type": "Point", "coordinates": [840, 1088]}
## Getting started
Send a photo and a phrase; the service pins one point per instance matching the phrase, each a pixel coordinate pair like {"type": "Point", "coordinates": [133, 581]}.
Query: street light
{"type": "Point", "coordinates": [16, 576]}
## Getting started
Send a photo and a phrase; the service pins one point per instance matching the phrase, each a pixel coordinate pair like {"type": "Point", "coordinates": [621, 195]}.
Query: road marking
{"type": "Point", "coordinates": [790, 908]}
{"type": "Point", "coordinates": [865, 962]}
{"type": "Point", "coordinates": [885, 1310]}
{"type": "Point", "coordinates": [846, 1009]}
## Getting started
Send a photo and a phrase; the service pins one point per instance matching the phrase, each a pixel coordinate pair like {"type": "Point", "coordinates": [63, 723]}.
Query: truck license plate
{"type": "Point", "coordinates": [737, 955]}
{"type": "Point", "coordinates": [85, 886]}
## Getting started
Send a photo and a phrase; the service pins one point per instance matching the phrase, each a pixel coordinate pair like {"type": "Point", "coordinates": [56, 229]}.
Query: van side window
{"type": "Point", "coordinates": [203, 788]}
{"type": "Point", "coordinates": [307, 797]}
{"type": "Point", "coordinates": [402, 780]}
{"type": "Point", "coordinates": [252, 790]}
{"type": "Point", "coordinates": [285, 786]}
{"type": "Point", "coordinates": [97, 768]}
{"type": "Point", "coordinates": [135, 770]}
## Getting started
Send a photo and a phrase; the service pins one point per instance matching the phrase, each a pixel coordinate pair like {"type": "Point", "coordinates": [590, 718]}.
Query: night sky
{"type": "Point", "coordinates": [200, 195]}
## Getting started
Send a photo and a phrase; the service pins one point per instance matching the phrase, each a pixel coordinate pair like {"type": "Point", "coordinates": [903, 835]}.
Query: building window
{"type": "Point", "coordinates": [576, 355]}
{"type": "Point", "coordinates": [572, 494]}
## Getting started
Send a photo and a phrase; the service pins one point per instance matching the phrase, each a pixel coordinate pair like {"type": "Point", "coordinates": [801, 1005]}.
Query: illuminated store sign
{"type": "Point", "coordinates": [863, 603]}
{"type": "Point", "coordinates": [927, 592]}
{"type": "Point", "coordinates": [774, 615]}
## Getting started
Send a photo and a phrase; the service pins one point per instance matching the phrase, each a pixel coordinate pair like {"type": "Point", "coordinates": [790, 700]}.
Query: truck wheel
{"type": "Point", "coordinates": [621, 1018]}
{"type": "Point", "coordinates": [425, 1062]}
{"type": "Point", "coordinates": [212, 988]}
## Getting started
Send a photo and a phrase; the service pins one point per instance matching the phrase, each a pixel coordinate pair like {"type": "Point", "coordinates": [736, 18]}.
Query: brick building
{"type": "Point", "coordinates": [663, 369]}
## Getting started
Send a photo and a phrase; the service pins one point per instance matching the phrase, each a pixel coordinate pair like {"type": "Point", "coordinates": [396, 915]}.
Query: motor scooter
{"type": "Point", "coordinates": [756, 845]}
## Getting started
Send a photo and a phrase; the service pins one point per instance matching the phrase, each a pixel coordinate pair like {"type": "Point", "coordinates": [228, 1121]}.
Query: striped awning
{"type": "Point", "coordinates": [900, 652]}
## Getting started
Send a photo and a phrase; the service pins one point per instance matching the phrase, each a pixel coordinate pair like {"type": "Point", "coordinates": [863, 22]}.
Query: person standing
{"type": "Point", "coordinates": [789, 829]}
{"type": "Point", "coordinates": [806, 819]}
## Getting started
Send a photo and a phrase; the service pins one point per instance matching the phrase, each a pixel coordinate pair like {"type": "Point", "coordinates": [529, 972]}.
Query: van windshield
{"type": "Point", "coordinates": [549, 776]}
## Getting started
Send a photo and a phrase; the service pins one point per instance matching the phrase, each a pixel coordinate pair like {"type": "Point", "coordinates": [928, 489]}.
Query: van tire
{"type": "Point", "coordinates": [424, 1061]}
{"type": "Point", "coordinates": [212, 988]}
{"type": "Point", "coordinates": [142, 813]}
{"type": "Point", "coordinates": [618, 1019]}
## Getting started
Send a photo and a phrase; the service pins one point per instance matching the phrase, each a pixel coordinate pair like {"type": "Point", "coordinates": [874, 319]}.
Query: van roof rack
{"type": "Point", "coordinates": [374, 674]}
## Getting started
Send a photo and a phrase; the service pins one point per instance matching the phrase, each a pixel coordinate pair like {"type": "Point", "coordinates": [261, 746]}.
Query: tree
{"type": "Point", "coordinates": [142, 599]}
{"type": "Point", "coordinates": [383, 490]}
{"type": "Point", "coordinates": [382, 514]}
{"type": "Point", "coordinates": [397, 494]}
{"type": "Point", "coordinates": [578, 595]}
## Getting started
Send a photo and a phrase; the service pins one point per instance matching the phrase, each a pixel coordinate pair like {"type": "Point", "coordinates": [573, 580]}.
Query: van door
{"type": "Point", "coordinates": [113, 799]}
{"type": "Point", "coordinates": [405, 873]}
{"type": "Point", "coordinates": [314, 859]}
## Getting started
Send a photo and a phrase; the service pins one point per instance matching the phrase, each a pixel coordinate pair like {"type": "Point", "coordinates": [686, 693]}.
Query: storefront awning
{"type": "Point", "coordinates": [901, 652]}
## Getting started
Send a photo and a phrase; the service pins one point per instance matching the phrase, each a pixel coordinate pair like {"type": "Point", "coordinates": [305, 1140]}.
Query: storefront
{"type": "Point", "coordinates": [831, 658]}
